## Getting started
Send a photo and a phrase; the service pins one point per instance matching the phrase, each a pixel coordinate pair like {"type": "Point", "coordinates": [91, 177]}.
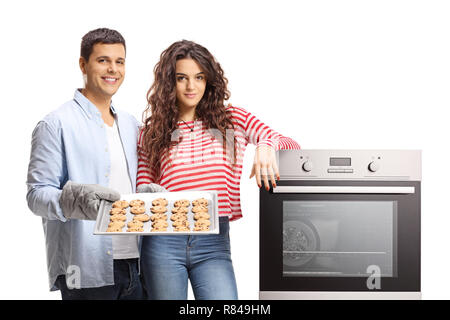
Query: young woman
{"type": "Point", "coordinates": [192, 141]}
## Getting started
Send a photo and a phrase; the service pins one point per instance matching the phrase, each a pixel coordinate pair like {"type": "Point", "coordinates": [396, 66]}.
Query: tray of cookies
{"type": "Point", "coordinates": [185, 212]}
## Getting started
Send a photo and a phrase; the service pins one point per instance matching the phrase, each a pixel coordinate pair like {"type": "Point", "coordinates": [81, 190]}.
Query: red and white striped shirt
{"type": "Point", "coordinates": [199, 161]}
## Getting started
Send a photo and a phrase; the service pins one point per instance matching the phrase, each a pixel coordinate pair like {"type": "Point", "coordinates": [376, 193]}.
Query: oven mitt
{"type": "Point", "coordinates": [82, 201]}
{"type": "Point", "coordinates": [151, 187]}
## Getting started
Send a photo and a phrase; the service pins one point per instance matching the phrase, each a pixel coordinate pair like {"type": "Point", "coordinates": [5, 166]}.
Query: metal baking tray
{"type": "Point", "coordinates": [103, 217]}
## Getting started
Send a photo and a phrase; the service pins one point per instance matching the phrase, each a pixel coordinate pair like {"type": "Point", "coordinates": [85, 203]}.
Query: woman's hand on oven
{"type": "Point", "coordinates": [265, 166]}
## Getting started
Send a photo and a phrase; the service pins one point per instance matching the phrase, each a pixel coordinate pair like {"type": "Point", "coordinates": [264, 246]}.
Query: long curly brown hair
{"type": "Point", "coordinates": [161, 115]}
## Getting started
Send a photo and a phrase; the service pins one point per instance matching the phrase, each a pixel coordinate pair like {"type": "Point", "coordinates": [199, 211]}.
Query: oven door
{"type": "Point", "coordinates": [340, 236]}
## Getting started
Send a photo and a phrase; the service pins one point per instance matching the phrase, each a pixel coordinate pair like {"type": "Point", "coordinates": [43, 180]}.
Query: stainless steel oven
{"type": "Point", "coordinates": [342, 224]}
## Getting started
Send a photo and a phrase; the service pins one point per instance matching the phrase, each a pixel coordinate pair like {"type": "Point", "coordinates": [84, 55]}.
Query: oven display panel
{"type": "Point", "coordinates": [340, 162]}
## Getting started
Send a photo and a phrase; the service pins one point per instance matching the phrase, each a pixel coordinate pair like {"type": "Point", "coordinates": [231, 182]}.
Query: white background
{"type": "Point", "coordinates": [330, 74]}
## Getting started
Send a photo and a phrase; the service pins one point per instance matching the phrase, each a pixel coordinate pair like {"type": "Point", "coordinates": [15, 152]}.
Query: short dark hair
{"type": "Point", "coordinates": [100, 35]}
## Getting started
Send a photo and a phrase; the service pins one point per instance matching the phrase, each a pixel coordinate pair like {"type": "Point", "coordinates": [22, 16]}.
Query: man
{"type": "Point", "coordinates": [83, 152]}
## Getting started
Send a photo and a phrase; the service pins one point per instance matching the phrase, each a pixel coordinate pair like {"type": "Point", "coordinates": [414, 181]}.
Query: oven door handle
{"type": "Point", "coordinates": [343, 189]}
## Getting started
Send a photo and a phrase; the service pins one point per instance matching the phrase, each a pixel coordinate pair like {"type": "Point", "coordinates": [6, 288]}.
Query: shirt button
{"type": "Point", "coordinates": [102, 126]}
{"type": "Point", "coordinates": [108, 252]}
{"type": "Point", "coordinates": [106, 175]}
{"type": "Point", "coordinates": [106, 149]}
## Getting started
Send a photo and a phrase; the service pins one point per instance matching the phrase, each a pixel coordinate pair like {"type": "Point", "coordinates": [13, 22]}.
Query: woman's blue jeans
{"type": "Point", "coordinates": [167, 262]}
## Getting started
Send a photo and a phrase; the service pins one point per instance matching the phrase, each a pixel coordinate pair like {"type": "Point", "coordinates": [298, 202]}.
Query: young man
{"type": "Point", "coordinates": [81, 153]}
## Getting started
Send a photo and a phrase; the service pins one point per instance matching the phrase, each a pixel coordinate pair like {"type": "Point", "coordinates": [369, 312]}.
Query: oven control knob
{"type": "Point", "coordinates": [374, 166]}
{"type": "Point", "coordinates": [307, 166]}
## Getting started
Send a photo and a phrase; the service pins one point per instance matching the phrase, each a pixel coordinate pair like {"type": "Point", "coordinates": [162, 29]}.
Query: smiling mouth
{"type": "Point", "coordinates": [110, 80]}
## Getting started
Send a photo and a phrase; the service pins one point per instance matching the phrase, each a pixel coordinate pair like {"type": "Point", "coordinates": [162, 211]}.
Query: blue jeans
{"type": "Point", "coordinates": [167, 262]}
{"type": "Point", "coordinates": [127, 285]}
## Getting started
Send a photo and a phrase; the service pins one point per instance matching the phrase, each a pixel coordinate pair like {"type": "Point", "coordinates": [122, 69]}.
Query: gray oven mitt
{"type": "Point", "coordinates": [151, 187]}
{"type": "Point", "coordinates": [82, 201]}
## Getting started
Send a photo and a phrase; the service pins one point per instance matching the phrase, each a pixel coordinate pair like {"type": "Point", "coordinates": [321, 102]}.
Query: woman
{"type": "Point", "coordinates": [192, 141]}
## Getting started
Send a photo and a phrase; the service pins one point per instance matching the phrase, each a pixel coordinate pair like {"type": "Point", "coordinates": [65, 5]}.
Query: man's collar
{"type": "Point", "coordinates": [88, 107]}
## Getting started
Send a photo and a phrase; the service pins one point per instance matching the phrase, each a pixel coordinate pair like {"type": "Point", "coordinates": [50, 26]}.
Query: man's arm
{"type": "Point", "coordinates": [46, 172]}
{"type": "Point", "coordinates": [50, 195]}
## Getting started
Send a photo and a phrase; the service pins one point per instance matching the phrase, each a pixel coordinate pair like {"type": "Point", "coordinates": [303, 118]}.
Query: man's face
{"type": "Point", "coordinates": [105, 69]}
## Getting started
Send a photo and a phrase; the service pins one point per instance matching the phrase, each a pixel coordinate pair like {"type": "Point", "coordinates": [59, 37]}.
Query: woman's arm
{"type": "Point", "coordinates": [144, 174]}
{"type": "Point", "coordinates": [260, 134]}
{"type": "Point", "coordinates": [267, 141]}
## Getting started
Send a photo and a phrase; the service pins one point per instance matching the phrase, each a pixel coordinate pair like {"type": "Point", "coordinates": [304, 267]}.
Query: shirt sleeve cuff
{"type": "Point", "coordinates": [268, 143]}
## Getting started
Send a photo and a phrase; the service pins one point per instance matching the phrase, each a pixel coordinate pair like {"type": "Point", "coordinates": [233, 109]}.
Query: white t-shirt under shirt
{"type": "Point", "coordinates": [124, 247]}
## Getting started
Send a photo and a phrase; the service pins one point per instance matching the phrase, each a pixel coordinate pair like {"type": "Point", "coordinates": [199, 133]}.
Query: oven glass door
{"type": "Point", "coordinates": [339, 238]}
{"type": "Point", "coordinates": [340, 241]}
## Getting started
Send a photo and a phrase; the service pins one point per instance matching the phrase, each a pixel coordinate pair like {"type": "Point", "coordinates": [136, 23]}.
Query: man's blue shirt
{"type": "Point", "coordinates": [70, 144]}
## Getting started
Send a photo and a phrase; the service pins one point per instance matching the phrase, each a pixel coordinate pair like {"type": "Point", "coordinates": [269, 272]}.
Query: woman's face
{"type": "Point", "coordinates": [190, 83]}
